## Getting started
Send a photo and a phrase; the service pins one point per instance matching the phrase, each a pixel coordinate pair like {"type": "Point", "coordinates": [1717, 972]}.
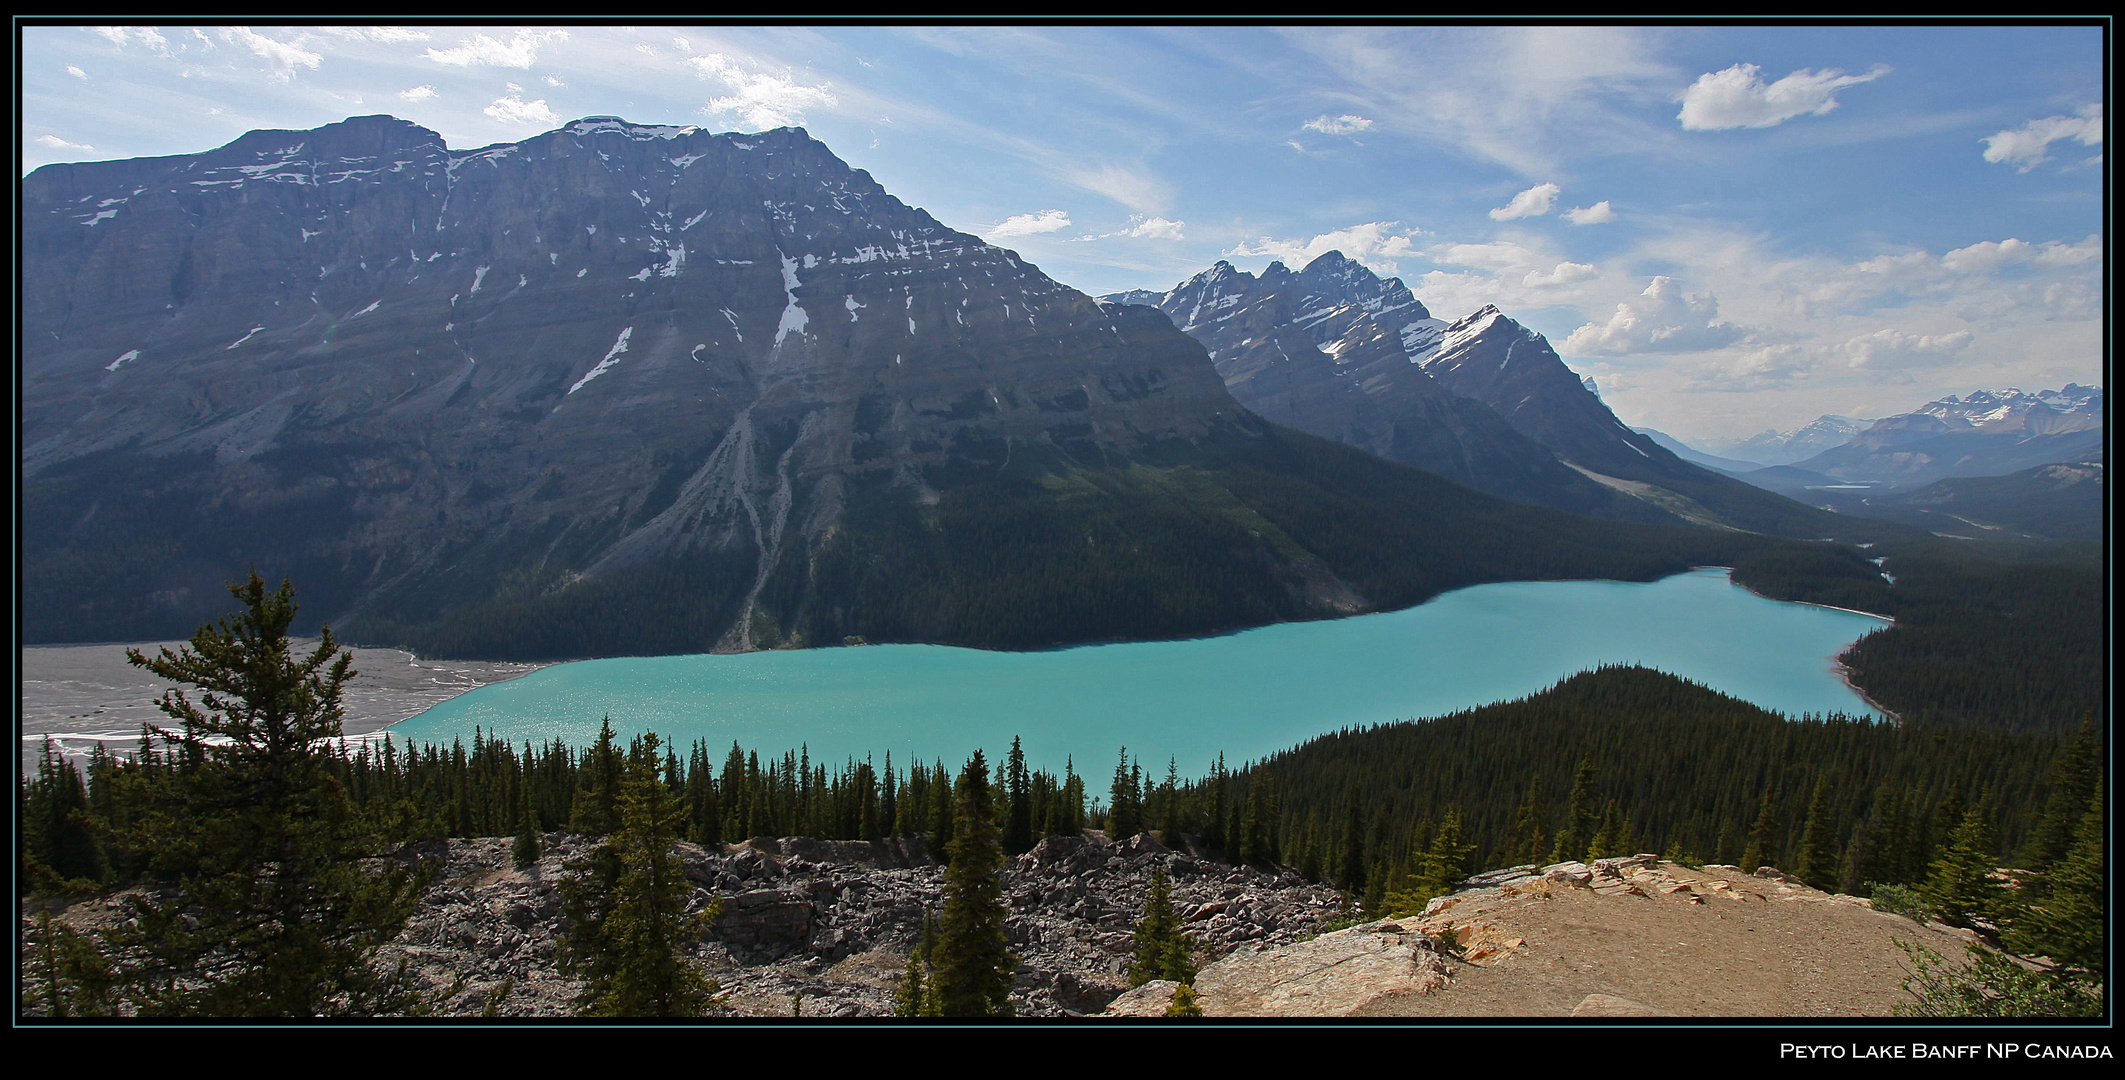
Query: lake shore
{"type": "Point", "coordinates": [85, 695]}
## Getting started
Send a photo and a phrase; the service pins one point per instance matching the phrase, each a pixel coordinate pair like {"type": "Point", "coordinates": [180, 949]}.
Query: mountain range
{"type": "Point", "coordinates": [623, 388]}
{"type": "Point", "coordinates": [1337, 351]}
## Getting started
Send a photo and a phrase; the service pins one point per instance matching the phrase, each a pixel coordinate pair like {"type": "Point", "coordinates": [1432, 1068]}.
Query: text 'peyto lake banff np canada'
{"type": "Point", "coordinates": [1246, 694]}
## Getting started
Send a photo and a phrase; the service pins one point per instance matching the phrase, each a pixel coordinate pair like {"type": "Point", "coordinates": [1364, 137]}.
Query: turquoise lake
{"type": "Point", "coordinates": [1246, 694]}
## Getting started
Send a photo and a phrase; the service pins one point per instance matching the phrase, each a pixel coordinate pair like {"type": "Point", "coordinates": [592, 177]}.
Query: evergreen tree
{"type": "Point", "coordinates": [274, 912]}
{"type": "Point", "coordinates": [1184, 1003]}
{"type": "Point", "coordinates": [1018, 827]}
{"type": "Point", "coordinates": [597, 804]}
{"type": "Point", "coordinates": [1350, 865]}
{"type": "Point", "coordinates": [1448, 859]}
{"type": "Point", "coordinates": [1526, 843]}
{"type": "Point", "coordinates": [1614, 837]}
{"type": "Point", "coordinates": [57, 840]}
{"type": "Point", "coordinates": [2069, 924]}
{"type": "Point", "coordinates": [1124, 809]}
{"type": "Point", "coordinates": [1579, 821]}
{"type": "Point", "coordinates": [1816, 861]}
{"type": "Point", "coordinates": [1961, 887]}
{"type": "Point", "coordinates": [632, 934]}
{"type": "Point", "coordinates": [1160, 949]}
{"type": "Point", "coordinates": [2074, 777]}
{"type": "Point", "coordinates": [1763, 836]}
{"type": "Point", "coordinates": [526, 850]}
{"type": "Point", "coordinates": [974, 966]}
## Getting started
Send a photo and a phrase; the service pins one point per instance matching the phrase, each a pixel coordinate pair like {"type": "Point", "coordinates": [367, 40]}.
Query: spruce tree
{"type": "Point", "coordinates": [1961, 886]}
{"type": "Point", "coordinates": [974, 966]}
{"type": "Point", "coordinates": [1579, 821]}
{"type": "Point", "coordinates": [1350, 864]}
{"type": "Point", "coordinates": [1816, 861]}
{"type": "Point", "coordinates": [526, 850]}
{"type": "Point", "coordinates": [2069, 924]}
{"type": "Point", "coordinates": [276, 910]}
{"type": "Point", "coordinates": [1526, 843]}
{"type": "Point", "coordinates": [1124, 809]}
{"type": "Point", "coordinates": [632, 934]}
{"type": "Point", "coordinates": [1018, 827]}
{"type": "Point", "coordinates": [1762, 837]}
{"type": "Point", "coordinates": [1160, 949]}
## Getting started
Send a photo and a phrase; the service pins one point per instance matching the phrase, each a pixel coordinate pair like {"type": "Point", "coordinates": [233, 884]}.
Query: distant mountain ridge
{"type": "Point", "coordinates": [1985, 433]}
{"type": "Point", "coordinates": [1337, 351]}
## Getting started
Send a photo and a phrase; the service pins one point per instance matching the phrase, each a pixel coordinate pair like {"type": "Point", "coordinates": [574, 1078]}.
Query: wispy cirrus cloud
{"type": "Point", "coordinates": [284, 56]}
{"type": "Point", "coordinates": [1739, 98]}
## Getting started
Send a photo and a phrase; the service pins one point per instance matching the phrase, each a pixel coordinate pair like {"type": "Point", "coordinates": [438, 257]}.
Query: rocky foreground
{"type": "Point", "coordinates": [823, 928]}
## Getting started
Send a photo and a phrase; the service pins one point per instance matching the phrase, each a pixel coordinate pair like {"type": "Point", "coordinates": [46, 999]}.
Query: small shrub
{"type": "Point", "coordinates": [1991, 985]}
{"type": "Point", "coordinates": [1902, 900]}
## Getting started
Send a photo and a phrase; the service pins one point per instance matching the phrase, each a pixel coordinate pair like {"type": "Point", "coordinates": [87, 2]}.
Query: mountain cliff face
{"type": "Point", "coordinates": [1328, 351]}
{"type": "Point", "coordinates": [627, 388]}
{"type": "Point", "coordinates": [1339, 352]}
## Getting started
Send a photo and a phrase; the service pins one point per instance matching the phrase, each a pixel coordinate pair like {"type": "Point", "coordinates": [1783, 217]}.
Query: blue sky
{"type": "Point", "coordinates": [1729, 228]}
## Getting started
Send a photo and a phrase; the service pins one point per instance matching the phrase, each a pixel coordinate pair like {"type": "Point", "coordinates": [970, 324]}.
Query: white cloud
{"type": "Point", "coordinates": [1600, 213]}
{"type": "Point", "coordinates": [519, 51]}
{"type": "Point", "coordinates": [1661, 319]}
{"type": "Point", "coordinates": [418, 93]}
{"type": "Point", "coordinates": [76, 72]}
{"type": "Point", "coordinates": [1154, 227]}
{"type": "Point", "coordinates": [57, 143]}
{"type": "Point", "coordinates": [285, 56]}
{"type": "Point", "coordinates": [515, 110]}
{"type": "Point", "coordinates": [147, 36]}
{"type": "Point", "coordinates": [394, 34]}
{"type": "Point", "coordinates": [1533, 202]}
{"type": "Point", "coordinates": [1377, 244]}
{"type": "Point", "coordinates": [760, 99]}
{"type": "Point", "coordinates": [1045, 221]}
{"type": "Point", "coordinates": [1891, 348]}
{"type": "Point", "coordinates": [2029, 146]}
{"type": "Point", "coordinates": [1565, 274]}
{"type": "Point", "coordinates": [1338, 125]}
{"type": "Point", "coordinates": [554, 80]}
{"type": "Point", "coordinates": [1738, 97]}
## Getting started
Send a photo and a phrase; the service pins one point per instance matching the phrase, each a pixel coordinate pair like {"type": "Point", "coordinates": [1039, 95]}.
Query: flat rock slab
{"type": "Point", "coordinates": [1335, 974]}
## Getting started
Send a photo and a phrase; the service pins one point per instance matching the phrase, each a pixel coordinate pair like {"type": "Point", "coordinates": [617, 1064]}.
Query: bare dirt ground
{"type": "Point", "coordinates": [82, 695]}
{"type": "Point", "coordinates": [1721, 943]}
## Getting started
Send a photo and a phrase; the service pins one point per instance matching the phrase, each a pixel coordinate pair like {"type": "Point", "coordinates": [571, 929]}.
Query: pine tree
{"type": "Point", "coordinates": [974, 966]}
{"type": "Point", "coordinates": [275, 912]}
{"type": "Point", "coordinates": [1184, 1003]}
{"type": "Point", "coordinates": [1613, 839]}
{"type": "Point", "coordinates": [2076, 774]}
{"type": "Point", "coordinates": [632, 933]}
{"type": "Point", "coordinates": [1124, 809]}
{"type": "Point", "coordinates": [1160, 949]}
{"type": "Point", "coordinates": [597, 801]}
